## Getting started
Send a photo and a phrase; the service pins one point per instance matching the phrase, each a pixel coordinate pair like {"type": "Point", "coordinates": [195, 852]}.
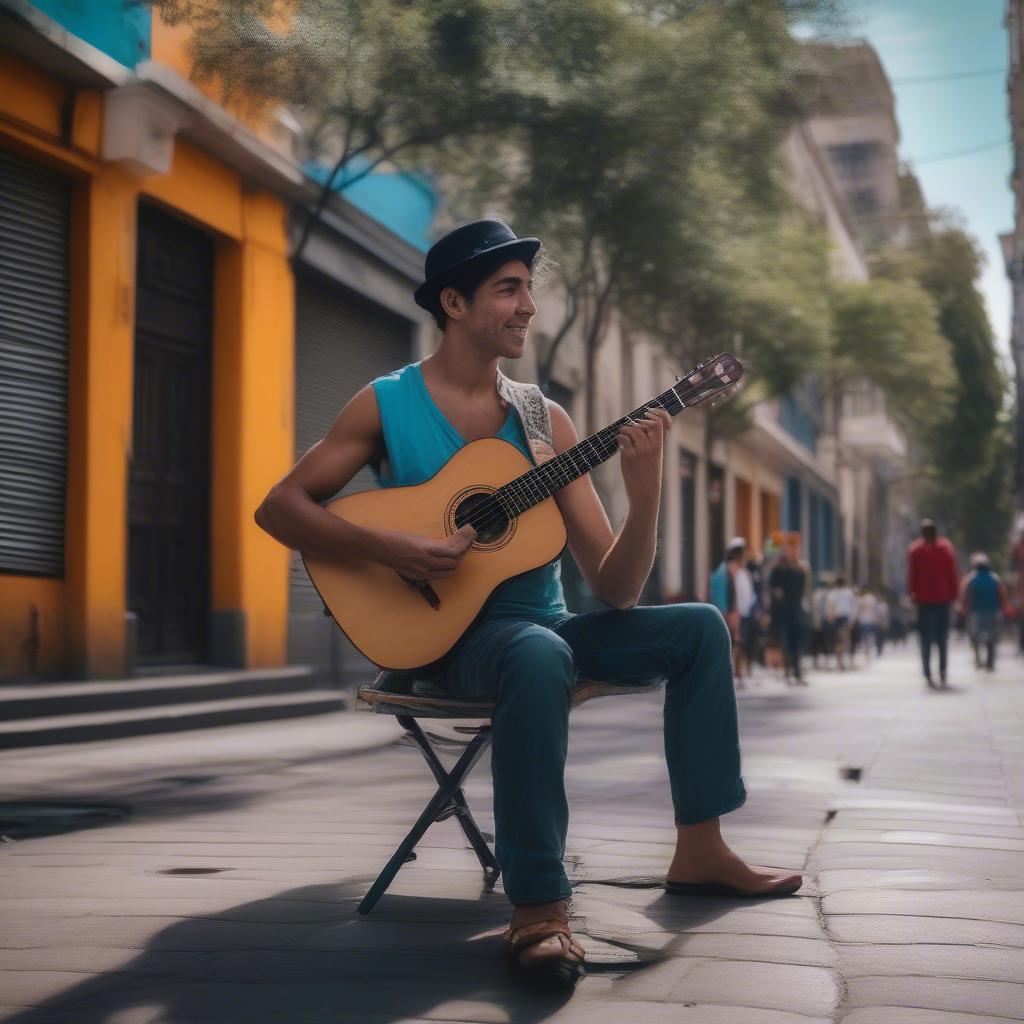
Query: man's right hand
{"type": "Point", "coordinates": [425, 558]}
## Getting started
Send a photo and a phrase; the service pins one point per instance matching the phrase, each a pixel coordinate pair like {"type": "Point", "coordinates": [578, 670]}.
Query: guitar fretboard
{"type": "Point", "coordinates": [540, 483]}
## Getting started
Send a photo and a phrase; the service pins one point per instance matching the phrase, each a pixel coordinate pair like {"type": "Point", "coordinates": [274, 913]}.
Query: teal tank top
{"type": "Point", "coordinates": [419, 441]}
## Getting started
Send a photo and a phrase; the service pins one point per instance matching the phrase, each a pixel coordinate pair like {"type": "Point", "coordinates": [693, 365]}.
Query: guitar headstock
{"type": "Point", "coordinates": [716, 377]}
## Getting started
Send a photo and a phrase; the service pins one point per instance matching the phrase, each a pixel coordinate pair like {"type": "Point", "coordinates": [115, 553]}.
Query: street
{"type": "Point", "coordinates": [228, 890]}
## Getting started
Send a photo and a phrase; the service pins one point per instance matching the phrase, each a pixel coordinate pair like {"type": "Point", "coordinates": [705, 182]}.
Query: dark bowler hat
{"type": "Point", "coordinates": [461, 248]}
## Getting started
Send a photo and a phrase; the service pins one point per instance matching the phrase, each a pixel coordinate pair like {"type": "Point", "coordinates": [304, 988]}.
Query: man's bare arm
{"type": "Point", "coordinates": [615, 567]}
{"type": "Point", "coordinates": [291, 512]}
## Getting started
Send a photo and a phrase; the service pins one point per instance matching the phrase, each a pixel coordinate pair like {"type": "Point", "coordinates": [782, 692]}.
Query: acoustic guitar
{"type": "Point", "coordinates": [408, 624]}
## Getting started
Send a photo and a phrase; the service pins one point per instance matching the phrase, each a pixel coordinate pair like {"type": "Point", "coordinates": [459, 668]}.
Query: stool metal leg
{"type": "Point", "coordinates": [448, 798]}
{"type": "Point", "coordinates": [483, 852]}
{"type": "Point", "coordinates": [461, 809]}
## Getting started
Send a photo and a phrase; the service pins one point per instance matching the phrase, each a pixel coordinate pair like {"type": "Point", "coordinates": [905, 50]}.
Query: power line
{"type": "Point", "coordinates": [954, 153]}
{"type": "Point", "coordinates": [948, 77]}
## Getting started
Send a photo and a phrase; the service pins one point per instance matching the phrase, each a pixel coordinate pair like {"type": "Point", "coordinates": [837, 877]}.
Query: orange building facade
{"type": "Point", "coordinates": [178, 291]}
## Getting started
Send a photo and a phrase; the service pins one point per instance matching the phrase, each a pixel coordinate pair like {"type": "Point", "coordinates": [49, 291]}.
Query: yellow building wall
{"type": "Point", "coordinates": [76, 626]}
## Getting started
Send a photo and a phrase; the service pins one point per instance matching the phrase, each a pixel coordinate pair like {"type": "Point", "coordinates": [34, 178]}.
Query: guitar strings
{"type": "Point", "coordinates": [491, 512]}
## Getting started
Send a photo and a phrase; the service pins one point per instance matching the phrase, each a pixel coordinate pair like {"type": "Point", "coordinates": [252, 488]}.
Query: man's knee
{"type": "Point", "coordinates": [705, 624]}
{"type": "Point", "coordinates": [539, 657]}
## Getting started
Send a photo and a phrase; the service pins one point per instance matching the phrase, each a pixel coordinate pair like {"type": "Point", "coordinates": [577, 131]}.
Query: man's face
{"type": "Point", "coordinates": [498, 318]}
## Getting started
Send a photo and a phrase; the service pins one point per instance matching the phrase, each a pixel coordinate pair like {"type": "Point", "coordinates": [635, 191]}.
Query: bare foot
{"type": "Point", "coordinates": [703, 858]}
{"type": "Point", "coordinates": [728, 869]}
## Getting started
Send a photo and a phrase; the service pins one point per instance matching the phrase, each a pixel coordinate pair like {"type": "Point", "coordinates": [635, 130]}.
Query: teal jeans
{"type": "Point", "coordinates": [530, 669]}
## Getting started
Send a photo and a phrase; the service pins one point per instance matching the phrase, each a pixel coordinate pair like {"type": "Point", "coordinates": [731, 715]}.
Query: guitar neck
{"type": "Point", "coordinates": [540, 483]}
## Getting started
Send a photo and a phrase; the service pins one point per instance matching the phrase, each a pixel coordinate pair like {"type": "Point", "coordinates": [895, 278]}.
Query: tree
{"type": "Point", "coordinates": [969, 466]}
{"type": "Point", "coordinates": [652, 177]}
{"type": "Point", "coordinates": [887, 332]}
{"type": "Point", "coordinates": [371, 79]}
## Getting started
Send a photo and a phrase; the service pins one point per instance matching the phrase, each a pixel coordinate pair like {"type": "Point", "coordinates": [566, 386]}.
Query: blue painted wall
{"type": "Point", "coordinates": [821, 543]}
{"type": "Point", "coordinates": [403, 202]}
{"type": "Point", "coordinates": [796, 422]}
{"type": "Point", "coordinates": [120, 28]}
{"type": "Point", "coordinates": [792, 505]}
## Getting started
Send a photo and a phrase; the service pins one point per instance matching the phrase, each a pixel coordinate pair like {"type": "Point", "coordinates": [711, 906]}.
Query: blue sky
{"type": "Point", "coordinates": [918, 38]}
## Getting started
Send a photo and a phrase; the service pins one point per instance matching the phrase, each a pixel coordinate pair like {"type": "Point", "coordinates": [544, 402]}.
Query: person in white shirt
{"type": "Point", "coordinates": [842, 613]}
{"type": "Point", "coordinates": [746, 606]}
{"type": "Point", "coordinates": [867, 620]}
{"type": "Point", "coordinates": [820, 632]}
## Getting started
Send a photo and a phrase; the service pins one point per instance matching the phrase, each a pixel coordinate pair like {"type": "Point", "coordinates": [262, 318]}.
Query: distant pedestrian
{"type": "Point", "coordinates": [820, 630]}
{"type": "Point", "coordinates": [867, 621]}
{"type": "Point", "coordinates": [842, 613]}
{"type": "Point", "coordinates": [933, 585]}
{"type": "Point", "coordinates": [786, 584]}
{"type": "Point", "coordinates": [750, 623]}
{"type": "Point", "coordinates": [884, 624]}
{"type": "Point", "coordinates": [732, 591]}
{"type": "Point", "coordinates": [983, 600]}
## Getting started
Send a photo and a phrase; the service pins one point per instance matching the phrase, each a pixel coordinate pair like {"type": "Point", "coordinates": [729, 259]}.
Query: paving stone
{"type": "Point", "coordinates": [588, 1011]}
{"type": "Point", "coordinates": [836, 880]}
{"type": "Point", "coordinates": [914, 1015]}
{"type": "Point", "coordinates": [880, 928]}
{"type": "Point", "coordinates": [995, 998]}
{"type": "Point", "coordinates": [987, 906]}
{"type": "Point", "coordinates": [932, 960]}
{"type": "Point", "coordinates": [811, 991]}
{"type": "Point", "coordinates": [918, 837]}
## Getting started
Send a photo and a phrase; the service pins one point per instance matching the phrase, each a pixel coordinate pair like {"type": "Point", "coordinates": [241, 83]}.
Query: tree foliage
{"type": "Point", "coordinates": [969, 450]}
{"type": "Point", "coordinates": [638, 139]}
{"type": "Point", "coordinates": [653, 179]}
{"type": "Point", "coordinates": [887, 331]}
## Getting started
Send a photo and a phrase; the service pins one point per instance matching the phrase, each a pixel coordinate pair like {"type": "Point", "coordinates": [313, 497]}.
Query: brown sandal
{"type": "Point", "coordinates": [556, 972]}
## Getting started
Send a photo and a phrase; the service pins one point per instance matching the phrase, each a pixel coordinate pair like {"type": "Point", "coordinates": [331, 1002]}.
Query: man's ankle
{"type": "Point", "coordinates": [531, 913]}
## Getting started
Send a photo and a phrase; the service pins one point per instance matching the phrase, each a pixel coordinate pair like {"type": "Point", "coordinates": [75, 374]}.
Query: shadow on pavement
{"type": "Point", "coordinates": [305, 957]}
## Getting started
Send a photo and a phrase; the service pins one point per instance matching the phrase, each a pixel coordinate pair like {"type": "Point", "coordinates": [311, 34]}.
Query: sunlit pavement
{"type": "Point", "coordinates": [228, 893]}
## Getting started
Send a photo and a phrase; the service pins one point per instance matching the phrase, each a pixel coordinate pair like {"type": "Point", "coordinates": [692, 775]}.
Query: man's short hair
{"type": "Point", "coordinates": [468, 282]}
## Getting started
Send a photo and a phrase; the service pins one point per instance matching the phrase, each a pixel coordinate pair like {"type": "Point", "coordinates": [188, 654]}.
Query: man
{"type": "Point", "coordinates": [787, 583]}
{"type": "Point", "coordinates": [526, 650]}
{"type": "Point", "coordinates": [933, 584]}
{"type": "Point", "coordinates": [983, 599]}
{"type": "Point", "coordinates": [732, 593]}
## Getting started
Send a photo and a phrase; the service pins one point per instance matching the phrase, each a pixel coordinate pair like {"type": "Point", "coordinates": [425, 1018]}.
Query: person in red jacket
{"type": "Point", "coordinates": [933, 584]}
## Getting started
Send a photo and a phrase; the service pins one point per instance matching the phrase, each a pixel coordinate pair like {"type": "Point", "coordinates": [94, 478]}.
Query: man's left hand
{"type": "Point", "coordinates": [642, 445]}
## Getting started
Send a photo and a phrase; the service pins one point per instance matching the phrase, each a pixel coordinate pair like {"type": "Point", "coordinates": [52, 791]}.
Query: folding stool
{"type": "Point", "coordinates": [402, 695]}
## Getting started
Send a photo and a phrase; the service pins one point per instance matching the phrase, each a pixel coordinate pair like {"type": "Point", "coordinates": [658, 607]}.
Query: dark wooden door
{"type": "Point", "coordinates": [168, 494]}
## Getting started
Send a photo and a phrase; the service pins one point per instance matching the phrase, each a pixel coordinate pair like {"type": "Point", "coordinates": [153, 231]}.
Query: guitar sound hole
{"type": "Point", "coordinates": [484, 513]}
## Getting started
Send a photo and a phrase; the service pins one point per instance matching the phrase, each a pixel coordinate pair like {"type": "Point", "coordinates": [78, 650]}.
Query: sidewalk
{"type": "Point", "coordinates": [228, 892]}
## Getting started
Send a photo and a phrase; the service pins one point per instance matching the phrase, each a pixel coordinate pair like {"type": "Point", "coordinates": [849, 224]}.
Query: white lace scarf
{"type": "Point", "coordinates": [529, 402]}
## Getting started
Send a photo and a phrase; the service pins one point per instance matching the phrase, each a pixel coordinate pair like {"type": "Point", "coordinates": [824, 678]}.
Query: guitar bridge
{"type": "Point", "coordinates": [426, 591]}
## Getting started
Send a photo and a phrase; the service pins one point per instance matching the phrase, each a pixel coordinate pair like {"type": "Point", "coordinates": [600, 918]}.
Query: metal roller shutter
{"type": "Point", "coordinates": [341, 345]}
{"type": "Point", "coordinates": [34, 207]}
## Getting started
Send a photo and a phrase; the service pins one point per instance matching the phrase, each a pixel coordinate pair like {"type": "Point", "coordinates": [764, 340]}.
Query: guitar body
{"type": "Point", "coordinates": [392, 623]}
